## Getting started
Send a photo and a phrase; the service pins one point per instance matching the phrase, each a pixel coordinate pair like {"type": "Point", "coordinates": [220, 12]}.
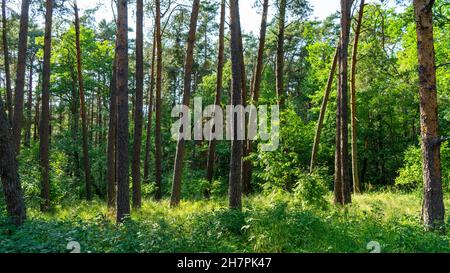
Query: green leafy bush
{"type": "Point", "coordinates": [410, 175]}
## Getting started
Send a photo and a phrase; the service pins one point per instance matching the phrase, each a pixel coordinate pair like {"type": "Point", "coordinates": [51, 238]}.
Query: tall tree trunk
{"type": "Point", "coordinates": [433, 210]}
{"type": "Point", "coordinates": [87, 173]}
{"type": "Point", "coordinates": [280, 52]}
{"type": "Point", "coordinates": [29, 106]}
{"type": "Point", "coordinates": [45, 118]}
{"type": "Point", "coordinates": [112, 132]}
{"type": "Point", "coordinates": [354, 125]}
{"type": "Point", "coordinates": [235, 179]}
{"type": "Point", "coordinates": [6, 59]}
{"type": "Point", "coordinates": [123, 193]}
{"type": "Point", "coordinates": [245, 163]}
{"type": "Point", "coordinates": [75, 122]}
{"type": "Point", "coordinates": [150, 112]}
{"type": "Point", "coordinates": [36, 115]}
{"type": "Point", "coordinates": [338, 189]}
{"type": "Point", "coordinates": [188, 65]}
{"type": "Point", "coordinates": [158, 103]}
{"type": "Point", "coordinates": [255, 87]}
{"type": "Point", "coordinates": [218, 98]}
{"type": "Point", "coordinates": [137, 143]}
{"type": "Point", "coordinates": [9, 174]}
{"type": "Point", "coordinates": [20, 76]}
{"type": "Point", "coordinates": [323, 110]}
{"type": "Point", "coordinates": [342, 162]}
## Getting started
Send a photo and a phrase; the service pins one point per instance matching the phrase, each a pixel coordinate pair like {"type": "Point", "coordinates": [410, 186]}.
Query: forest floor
{"type": "Point", "coordinates": [273, 223]}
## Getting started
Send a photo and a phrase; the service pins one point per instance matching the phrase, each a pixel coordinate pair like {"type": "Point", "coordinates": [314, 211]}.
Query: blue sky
{"type": "Point", "coordinates": [250, 16]}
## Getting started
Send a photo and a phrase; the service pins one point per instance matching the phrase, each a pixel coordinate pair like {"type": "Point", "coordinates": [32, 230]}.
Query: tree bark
{"type": "Point", "coordinates": [29, 105]}
{"type": "Point", "coordinates": [323, 110]}
{"type": "Point", "coordinates": [123, 197]}
{"type": "Point", "coordinates": [235, 179]}
{"type": "Point", "coordinates": [354, 125]}
{"type": "Point", "coordinates": [246, 187]}
{"type": "Point", "coordinates": [342, 163]}
{"type": "Point", "coordinates": [9, 172]}
{"type": "Point", "coordinates": [20, 75]}
{"type": "Point", "coordinates": [6, 61]}
{"type": "Point", "coordinates": [45, 118]}
{"type": "Point", "coordinates": [218, 98]}
{"type": "Point", "coordinates": [137, 143]}
{"type": "Point", "coordinates": [112, 132]}
{"type": "Point", "coordinates": [75, 121]}
{"type": "Point", "coordinates": [255, 88]}
{"type": "Point", "coordinates": [150, 112]}
{"type": "Point", "coordinates": [433, 210]}
{"type": "Point", "coordinates": [87, 172]}
{"type": "Point", "coordinates": [158, 103]}
{"type": "Point", "coordinates": [280, 52]}
{"type": "Point", "coordinates": [188, 65]}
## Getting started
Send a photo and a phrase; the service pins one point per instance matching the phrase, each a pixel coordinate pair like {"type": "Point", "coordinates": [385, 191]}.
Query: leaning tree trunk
{"type": "Point", "coordinates": [150, 112]}
{"type": "Point", "coordinates": [137, 143]}
{"type": "Point", "coordinates": [158, 103]}
{"type": "Point", "coordinates": [45, 118]}
{"type": "Point", "coordinates": [20, 75]}
{"type": "Point", "coordinates": [6, 59]}
{"type": "Point", "coordinates": [323, 110]}
{"type": "Point", "coordinates": [123, 197]}
{"type": "Point", "coordinates": [280, 52]}
{"type": "Point", "coordinates": [433, 205]}
{"type": "Point", "coordinates": [235, 179]}
{"type": "Point", "coordinates": [87, 172]}
{"type": "Point", "coordinates": [354, 125]}
{"type": "Point", "coordinates": [188, 65]}
{"type": "Point", "coordinates": [218, 98]}
{"type": "Point", "coordinates": [255, 88]}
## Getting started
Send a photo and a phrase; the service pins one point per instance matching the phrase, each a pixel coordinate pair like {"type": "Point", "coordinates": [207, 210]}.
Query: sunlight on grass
{"type": "Point", "coordinates": [268, 223]}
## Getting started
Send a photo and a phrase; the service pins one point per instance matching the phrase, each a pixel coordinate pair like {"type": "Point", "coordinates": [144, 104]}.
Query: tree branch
{"type": "Point", "coordinates": [442, 65]}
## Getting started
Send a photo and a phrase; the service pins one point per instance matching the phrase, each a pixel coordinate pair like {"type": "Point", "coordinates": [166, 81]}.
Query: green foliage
{"type": "Point", "coordinates": [283, 168]}
{"type": "Point", "coordinates": [268, 223]}
{"type": "Point", "coordinates": [311, 191]}
{"type": "Point", "coordinates": [62, 186]}
{"type": "Point", "coordinates": [410, 175]}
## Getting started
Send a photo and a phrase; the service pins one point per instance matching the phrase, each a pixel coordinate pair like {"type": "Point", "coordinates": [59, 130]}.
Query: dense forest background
{"type": "Point", "coordinates": [287, 203]}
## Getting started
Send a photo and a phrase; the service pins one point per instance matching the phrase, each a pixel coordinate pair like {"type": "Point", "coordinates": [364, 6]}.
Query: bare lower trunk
{"type": "Point", "coordinates": [20, 75]}
{"type": "Point", "coordinates": [29, 106]}
{"type": "Point", "coordinates": [137, 142]}
{"type": "Point", "coordinates": [354, 125]}
{"type": "Point", "coordinates": [342, 162]}
{"type": "Point", "coordinates": [112, 132]}
{"type": "Point", "coordinates": [218, 98]}
{"type": "Point", "coordinates": [280, 52]}
{"type": "Point", "coordinates": [433, 210]}
{"type": "Point", "coordinates": [123, 191]}
{"type": "Point", "coordinates": [188, 65]}
{"type": "Point", "coordinates": [9, 172]}
{"type": "Point", "coordinates": [235, 179]}
{"type": "Point", "coordinates": [6, 59]}
{"type": "Point", "coordinates": [158, 103]}
{"type": "Point", "coordinates": [150, 113]}
{"type": "Point", "coordinates": [255, 88]}
{"type": "Point", "coordinates": [87, 172]}
{"type": "Point", "coordinates": [45, 118]}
